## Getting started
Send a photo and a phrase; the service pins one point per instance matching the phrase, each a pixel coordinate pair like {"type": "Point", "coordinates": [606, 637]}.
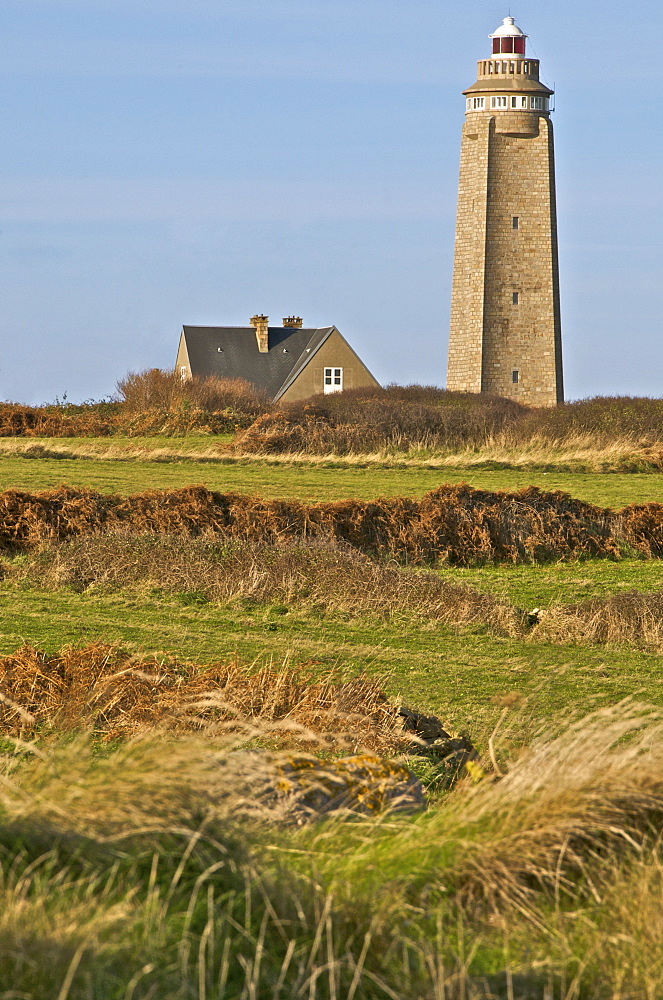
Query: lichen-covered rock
{"type": "Point", "coordinates": [454, 755]}
{"type": "Point", "coordinates": [298, 788]}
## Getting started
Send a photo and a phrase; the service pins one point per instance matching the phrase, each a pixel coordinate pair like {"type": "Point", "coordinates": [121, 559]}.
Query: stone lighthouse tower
{"type": "Point", "coordinates": [505, 322]}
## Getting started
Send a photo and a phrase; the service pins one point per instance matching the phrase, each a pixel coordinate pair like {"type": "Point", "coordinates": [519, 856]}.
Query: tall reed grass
{"type": "Point", "coordinates": [130, 874]}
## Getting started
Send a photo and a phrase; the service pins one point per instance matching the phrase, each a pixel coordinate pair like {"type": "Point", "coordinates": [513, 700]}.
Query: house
{"type": "Point", "coordinates": [289, 362]}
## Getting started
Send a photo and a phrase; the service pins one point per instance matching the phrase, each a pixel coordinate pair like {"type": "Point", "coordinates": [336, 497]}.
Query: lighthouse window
{"type": "Point", "coordinates": [468, 104]}
{"type": "Point", "coordinates": [515, 222]}
{"type": "Point", "coordinates": [498, 102]}
{"type": "Point", "coordinates": [537, 103]}
{"type": "Point", "coordinates": [515, 296]}
{"type": "Point", "coordinates": [514, 102]}
{"type": "Point", "coordinates": [478, 103]}
{"type": "Point", "coordinates": [515, 376]}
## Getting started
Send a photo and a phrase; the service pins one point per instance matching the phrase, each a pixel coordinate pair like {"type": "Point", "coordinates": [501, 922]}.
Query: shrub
{"type": "Point", "coordinates": [602, 418]}
{"type": "Point", "coordinates": [155, 389]}
{"type": "Point", "coordinates": [398, 418]}
{"type": "Point", "coordinates": [456, 524]}
{"type": "Point", "coordinates": [86, 420]}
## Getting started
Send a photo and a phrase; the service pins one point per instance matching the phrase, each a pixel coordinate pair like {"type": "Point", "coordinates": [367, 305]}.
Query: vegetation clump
{"type": "Point", "coordinates": [153, 402]}
{"type": "Point", "coordinates": [426, 420]}
{"type": "Point", "coordinates": [454, 524]}
{"type": "Point", "coordinates": [364, 421]}
{"type": "Point", "coordinates": [138, 872]}
{"type": "Point", "coordinates": [115, 695]}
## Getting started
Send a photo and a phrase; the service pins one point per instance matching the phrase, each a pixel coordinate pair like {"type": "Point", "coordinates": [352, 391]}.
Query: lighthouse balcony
{"type": "Point", "coordinates": [509, 67]}
{"type": "Point", "coordinates": [508, 102]}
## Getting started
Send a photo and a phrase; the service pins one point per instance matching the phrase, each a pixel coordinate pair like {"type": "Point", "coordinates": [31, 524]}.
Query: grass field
{"type": "Point", "coordinates": [332, 481]}
{"type": "Point", "coordinates": [459, 675]}
{"type": "Point", "coordinates": [125, 877]}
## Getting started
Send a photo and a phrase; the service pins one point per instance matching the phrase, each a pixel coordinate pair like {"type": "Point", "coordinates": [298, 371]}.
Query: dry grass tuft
{"type": "Point", "coordinates": [593, 792]}
{"type": "Point", "coordinates": [570, 808]}
{"type": "Point", "coordinates": [105, 689]}
{"type": "Point", "coordinates": [625, 619]}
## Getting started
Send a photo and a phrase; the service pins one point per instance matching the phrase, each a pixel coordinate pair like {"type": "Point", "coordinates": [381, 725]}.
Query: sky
{"type": "Point", "coordinates": [199, 161]}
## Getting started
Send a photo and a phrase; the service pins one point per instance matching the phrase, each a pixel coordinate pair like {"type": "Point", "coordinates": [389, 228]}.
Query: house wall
{"type": "Point", "coordinates": [182, 360]}
{"type": "Point", "coordinates": [334, 353]}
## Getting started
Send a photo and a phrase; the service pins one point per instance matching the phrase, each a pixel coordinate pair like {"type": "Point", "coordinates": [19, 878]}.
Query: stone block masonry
{"type": "Point", "coordinates": [505, 335]}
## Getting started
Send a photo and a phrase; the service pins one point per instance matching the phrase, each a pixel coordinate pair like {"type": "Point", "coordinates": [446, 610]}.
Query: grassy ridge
{"type": "Point", "coordinates": [154, 883]}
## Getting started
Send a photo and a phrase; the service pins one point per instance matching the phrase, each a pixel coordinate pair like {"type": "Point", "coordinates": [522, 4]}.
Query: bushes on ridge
{"type": "Point", "coordinates": [368, 420]}
{"type": "Point", "coordinates": [456, 524]}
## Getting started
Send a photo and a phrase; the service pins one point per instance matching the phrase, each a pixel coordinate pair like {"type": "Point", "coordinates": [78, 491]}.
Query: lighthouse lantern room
{"type": "Point", "coordinates": [508, 39]}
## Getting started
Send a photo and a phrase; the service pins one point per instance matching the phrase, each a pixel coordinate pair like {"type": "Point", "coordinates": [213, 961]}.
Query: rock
{"type": "Point", "coordinates": [455, 754]}
{"type": "Point", "coordinates": [298, 788]}
{"type": "Point", "coordinates": [426, 727]}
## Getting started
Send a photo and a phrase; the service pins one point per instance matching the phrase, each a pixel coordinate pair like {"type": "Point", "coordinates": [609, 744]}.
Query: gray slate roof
{"type": "Point", "coordinates": [232, 352]}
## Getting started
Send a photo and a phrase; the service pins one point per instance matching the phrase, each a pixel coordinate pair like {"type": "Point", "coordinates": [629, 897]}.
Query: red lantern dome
{"type": "Point", "coordinates": [508, 39]}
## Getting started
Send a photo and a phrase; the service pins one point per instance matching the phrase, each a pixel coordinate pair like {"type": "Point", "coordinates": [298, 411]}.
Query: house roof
{"type": "Point", "coordinates": [232, 352]}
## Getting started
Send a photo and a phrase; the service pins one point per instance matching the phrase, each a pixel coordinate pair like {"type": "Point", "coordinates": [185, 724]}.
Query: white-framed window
{"type": "Point", "coordinates": [183, 373]}
{"type": "Point", "coordinates": [478, 103]}
{"type": "Point", "coordinates": [468, 104]}
{"type": "Point", "coordinates": [333, 381]}
{"type": "Point", "coordinates": [536, 103]}
{"type": "Point", "coordinates": [499, 102]}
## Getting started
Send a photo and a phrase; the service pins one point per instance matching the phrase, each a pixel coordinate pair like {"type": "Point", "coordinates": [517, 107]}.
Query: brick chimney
{"type": "Point", "coordinates": [261, 324]}
{"type": "Point", "coordinates": [294, 321]}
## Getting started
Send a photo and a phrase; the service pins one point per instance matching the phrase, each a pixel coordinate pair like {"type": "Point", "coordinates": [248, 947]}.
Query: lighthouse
{"type": "Point", "coordinates": [505, 335]}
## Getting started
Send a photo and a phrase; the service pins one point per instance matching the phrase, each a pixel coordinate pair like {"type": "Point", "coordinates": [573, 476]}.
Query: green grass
{"type": "Point", "coordinates": [462, 676]}
{"type": "Point", "coordinates": [560, 583]}
{"type": "Point", "coordinates": [334, 481]}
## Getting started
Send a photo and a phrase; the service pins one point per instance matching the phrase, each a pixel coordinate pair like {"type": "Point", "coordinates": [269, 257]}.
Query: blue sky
{"type": "Point", "coordinates": [196, 162]}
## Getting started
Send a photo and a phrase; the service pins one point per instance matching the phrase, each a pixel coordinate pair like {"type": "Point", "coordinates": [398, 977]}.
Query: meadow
{"type": "Point", "coordinates": [132, 865]}
{"type": "Point", "coordinates": [168, 466]}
